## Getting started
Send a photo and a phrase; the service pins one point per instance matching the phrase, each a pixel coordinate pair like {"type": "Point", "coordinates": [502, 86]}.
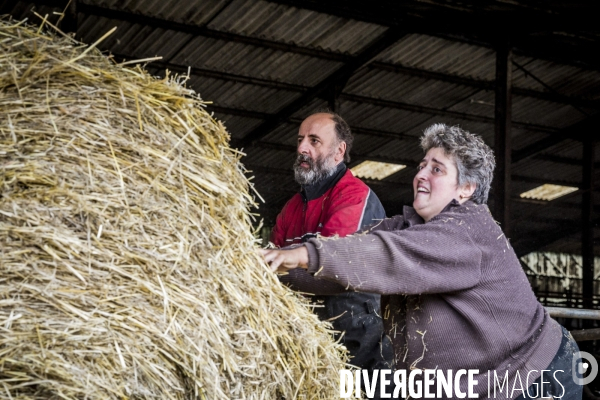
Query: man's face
{"type": "Point", "coordinates": [319, 151]}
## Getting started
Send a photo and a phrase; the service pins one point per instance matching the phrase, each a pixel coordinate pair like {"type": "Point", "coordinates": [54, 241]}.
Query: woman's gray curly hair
{"type": "Point", "coordinates": [474, 159]}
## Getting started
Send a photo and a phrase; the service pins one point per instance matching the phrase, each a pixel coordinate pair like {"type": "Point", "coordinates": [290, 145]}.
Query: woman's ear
{"type": "Point", "coordinates": [466, 191]}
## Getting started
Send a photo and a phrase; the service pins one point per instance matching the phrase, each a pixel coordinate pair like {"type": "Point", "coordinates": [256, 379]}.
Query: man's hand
{"type": "Point", "coordinates": [284, 260]}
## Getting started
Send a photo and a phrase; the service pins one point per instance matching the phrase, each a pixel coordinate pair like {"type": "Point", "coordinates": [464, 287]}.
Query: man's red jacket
{"type": "Point", "coordinates": [334, 208]}
{"type": "Point", "coordinates": [339, 205]}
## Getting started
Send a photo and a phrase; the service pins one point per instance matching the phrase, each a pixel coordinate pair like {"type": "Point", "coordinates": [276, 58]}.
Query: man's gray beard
{"type": "Point", "coordinates": [318, 170]}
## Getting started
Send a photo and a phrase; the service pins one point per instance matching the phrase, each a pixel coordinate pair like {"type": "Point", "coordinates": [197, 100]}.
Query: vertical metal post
{"type": "Point", "coordinates": [502, 145]}
{"type": "Point", "coordinates": [333, 97]}
{"type": "Point", "coordinates": [587, 232]}
{"type": "Point", "coordinates": [333, 103]}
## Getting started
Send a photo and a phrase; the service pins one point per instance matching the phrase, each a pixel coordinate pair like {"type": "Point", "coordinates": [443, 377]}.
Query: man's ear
{"type": "Point", "coordinates": [467, 190]}
{"type": "Point", "coordinates": [341, 150]}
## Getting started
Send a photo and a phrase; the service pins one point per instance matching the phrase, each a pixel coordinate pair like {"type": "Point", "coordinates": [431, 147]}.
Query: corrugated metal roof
{"type": "Point", "coordinates": [242, 96]}
{"type": "Point", "coordinates": [255, 61]}
{"type": "Point", "coordinates": [526, 109]}
{"type": "Point", "coordinates": [237, 126]}
{"type": "Point", "coordinates": [544, 169]}
{"type": "Point", "coordinates": [571, 149]}
{"type": "Point", "coordinates": [193, 12]}
{"type": "Point", "coordinates": [522, 138]}
{"type": "Point", "coordinates": [364, 144]}
{"type": "Point", "coordinates": [286, 133]}
{"type": "Point", "coordinates": [442, 55]}
{"type": "Point", "coordinates": [383, 118]}
{"type": "Point", "coordinates": [135, 40]}
{"type": "Point", "coordinates": [419, 80]}
{"type": "Point", "coordinates": [407, 89]}
{"type": "Point", "coordinates": [564, 79]}
{"type": "Point", "coordinates": [278, 22]}
{"type": "Point", "coordinates": [313, 106]}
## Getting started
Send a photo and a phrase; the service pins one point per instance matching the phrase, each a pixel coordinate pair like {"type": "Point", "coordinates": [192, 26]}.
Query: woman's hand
{"type": "Point", "coordinates": [284, 260]}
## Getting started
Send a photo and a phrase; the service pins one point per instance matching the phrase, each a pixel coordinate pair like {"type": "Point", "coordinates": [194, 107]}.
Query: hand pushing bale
{"type": "Point", "coordinates": [127, 262]}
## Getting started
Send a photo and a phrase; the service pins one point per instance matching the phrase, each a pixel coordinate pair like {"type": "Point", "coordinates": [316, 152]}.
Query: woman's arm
{"type": "Point", "coordinates": [387, 224]}
{"type": "Point", "coordinates": [435, 257]}
{"type": "Point", "coordinates": [301, 281]}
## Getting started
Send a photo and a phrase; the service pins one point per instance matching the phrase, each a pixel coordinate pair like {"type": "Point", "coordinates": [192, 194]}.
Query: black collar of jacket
{"type": "Point", "coordinates": [318, 189]}
{"type": "Point", "coordinates": [412, 218]}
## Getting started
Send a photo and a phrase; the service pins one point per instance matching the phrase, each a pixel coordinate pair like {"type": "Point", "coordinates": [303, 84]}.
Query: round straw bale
{"type": "Point", "coordinates": [128, 265]}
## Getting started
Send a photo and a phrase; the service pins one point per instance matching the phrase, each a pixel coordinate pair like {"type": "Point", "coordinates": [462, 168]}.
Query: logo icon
{"type": "Point", "coordinates": [582, 363]}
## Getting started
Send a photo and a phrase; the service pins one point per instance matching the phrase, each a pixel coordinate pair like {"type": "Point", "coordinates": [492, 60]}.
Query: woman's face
{"type": "Point", "coordinates": [436, 184]}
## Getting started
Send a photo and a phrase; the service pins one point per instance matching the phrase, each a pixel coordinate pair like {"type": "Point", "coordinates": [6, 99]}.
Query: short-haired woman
{"type": "Point", "coordinates": [454, 293]}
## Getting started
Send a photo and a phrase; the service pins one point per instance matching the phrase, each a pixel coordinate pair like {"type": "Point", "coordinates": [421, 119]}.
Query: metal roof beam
{"type": "Point", "coordinates": [377, 132]}
{"type": "Point", "coordinates": [454, 16]}
{"type": "Point", "coordinates": [483, 85]}
{"type": "Point", "coordinates": [563, 160]}
{"type": "Point", "coordinates": [574, 132]}
{"type": "Point", "coordinates": [162, 65]}
{"type": "Point", "coordinates": [395, 68]}
{"type": "Point", "coordinates": [399, 69]}
{"type": "Point", "coordinates": [478, 27]}
{"type": "Point", "coordinates": [389, 37]}
{"type": "Point", "coordinates": [205, 32]}
{"type": "Point", "coordinates": [195, 30]}
{"type": "Point", "coordinates": [437, 111]}
{"type": "Point", "coordinates": [298, 121]}
{"type": "Point", "coordinates": [237, 112]}
{"type": "Point", "coordinates": [357, 98]}
{"type": "Point", "coordinates": [346, 96]}
{"type": "Point", "coordinates": [356, 156]}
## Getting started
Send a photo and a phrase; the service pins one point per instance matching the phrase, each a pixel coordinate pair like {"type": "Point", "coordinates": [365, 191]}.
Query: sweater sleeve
{"type": "Point", "coordinates": [300, 280]}
{"type": "Point", "coordinates": [435, 257]}
{"type": "Point", "coordinates": [387, 224]}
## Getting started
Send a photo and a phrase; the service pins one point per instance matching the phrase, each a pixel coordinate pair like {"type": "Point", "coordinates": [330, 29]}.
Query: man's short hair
{"type": "Point", "coordinates": [342, 130]}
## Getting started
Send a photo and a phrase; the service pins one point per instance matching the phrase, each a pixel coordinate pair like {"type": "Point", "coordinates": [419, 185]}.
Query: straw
{"type": "Point", "coordinates": [128, 264]}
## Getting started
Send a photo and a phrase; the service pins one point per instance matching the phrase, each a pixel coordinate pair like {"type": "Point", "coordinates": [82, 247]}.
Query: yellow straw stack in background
{"type": "Point", "coordinates": [127, 261]}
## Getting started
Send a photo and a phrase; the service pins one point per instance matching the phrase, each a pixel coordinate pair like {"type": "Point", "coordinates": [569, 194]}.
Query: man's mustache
{"type": "Point", "coordinates": [304, 158]}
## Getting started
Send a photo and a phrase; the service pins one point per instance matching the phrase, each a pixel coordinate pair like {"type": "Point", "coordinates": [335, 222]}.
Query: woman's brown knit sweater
{"type": "Point", "coordinates": [455, 294]}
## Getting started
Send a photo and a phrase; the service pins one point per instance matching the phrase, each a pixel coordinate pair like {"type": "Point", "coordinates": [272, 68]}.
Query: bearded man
{"type": "Point", "coordinates": [334, 202]}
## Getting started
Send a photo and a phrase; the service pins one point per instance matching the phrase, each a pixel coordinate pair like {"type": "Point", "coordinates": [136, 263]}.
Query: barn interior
{"type": "Point", "coordinates": [523, 74]}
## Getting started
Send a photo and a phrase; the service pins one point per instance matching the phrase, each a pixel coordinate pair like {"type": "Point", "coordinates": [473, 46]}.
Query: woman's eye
{"type": "Point", "coordinates": [437, 169]}
{"type": "Point", "coordinates": [420, 167]}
